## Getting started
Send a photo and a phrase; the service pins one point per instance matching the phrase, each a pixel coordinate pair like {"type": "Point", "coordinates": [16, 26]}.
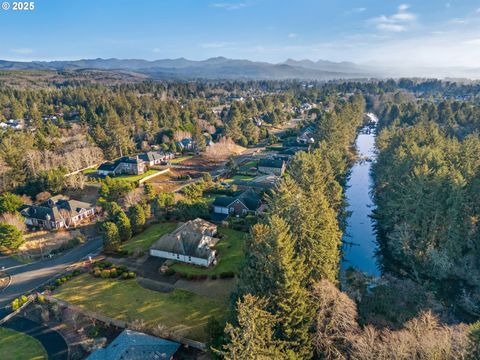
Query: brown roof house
{"type": "Point", "coordinates": [192, 242]}
{"type": "Point", "coordinates": [58, 212]}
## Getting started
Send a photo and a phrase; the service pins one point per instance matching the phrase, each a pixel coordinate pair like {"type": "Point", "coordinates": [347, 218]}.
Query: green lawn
{"type": "Point", "coordinates": [134, 178]}
{"type": "Point", "coordinates": [180, 159]}
{"type": "Point", "coordinates": [229, 253]}
{"type": "Point", "coordinates": [248, 165]}
{"type": "Point", "coordinates": [143, 241]}
{"type": "Point", "coordinates": [17, 346]}
{"type": "Point", "coordinates": [181, 311]}
{"type": "Point", "coordinates": [240, 178]}
{"type": "Point", "coordinates": [89, 171]}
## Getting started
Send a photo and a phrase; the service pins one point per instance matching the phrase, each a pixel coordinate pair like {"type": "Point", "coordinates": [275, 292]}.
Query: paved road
{"type": "Point", "coordinates": [26, 277]}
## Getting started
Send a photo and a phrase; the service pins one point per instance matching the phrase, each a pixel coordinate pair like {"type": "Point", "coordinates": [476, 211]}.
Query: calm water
{"type": "Point", "coordinates": [360, 255]}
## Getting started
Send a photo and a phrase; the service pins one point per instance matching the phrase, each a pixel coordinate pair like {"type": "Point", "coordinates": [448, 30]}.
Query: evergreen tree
{"type": "Point", "coordinates": [124, 227]}
{"type": "Point", "coordinates": [111, 237]}
{"type": "Point", "coordinates": [10, 237]}
{"type": "Point", "coordinates": [136, 214]}
{"type": "Point", "coordinates": [252, 338]}
{"type": "Point", "coordinates": [9, 203]}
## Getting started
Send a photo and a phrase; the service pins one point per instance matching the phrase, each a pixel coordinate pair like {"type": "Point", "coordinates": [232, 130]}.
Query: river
{"type": "Point", "coordinates": [360, 240]}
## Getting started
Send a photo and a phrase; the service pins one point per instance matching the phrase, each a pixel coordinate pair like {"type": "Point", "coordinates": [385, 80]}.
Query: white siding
{"type": "Point", "coordinates": [182, 258]}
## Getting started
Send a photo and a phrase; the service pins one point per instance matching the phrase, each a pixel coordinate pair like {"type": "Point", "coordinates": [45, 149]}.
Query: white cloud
{"type": "Point", "coordinates": [292, 35]}
{"type": "Point", "coordinates": [217, 44]}
{"type": "Point", "coordinates": [229, 6]}
{"type": "Point", "coordinates": [23, 51]}
{"type": "Point", "coordinates": [355, 10]}
{"type": "Point", "coordinates": [398, 22]}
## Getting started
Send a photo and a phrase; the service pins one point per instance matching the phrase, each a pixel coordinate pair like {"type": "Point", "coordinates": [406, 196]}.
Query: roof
{"type": "Point", "coordinates": [53, 207]}
{"type": "Point", "coordinates": [132, 345]}
{"type": "Point", "coordinates": [151, 156]}
{"type": "Point", "coordinates": [249, 198]}
{"type": "Point", "coordinates": [271, 163]}
{"type": "Point", "coordinates": [111, 166]}
{"type": "Point", "coordinates": [192, 238]}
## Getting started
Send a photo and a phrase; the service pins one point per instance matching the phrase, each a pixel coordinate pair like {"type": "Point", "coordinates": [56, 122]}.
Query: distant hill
{"type": "Point", "coordinates": [213, 68]}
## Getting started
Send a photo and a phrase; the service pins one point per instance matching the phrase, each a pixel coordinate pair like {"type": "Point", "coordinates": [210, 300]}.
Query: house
{"type": "Point", "coordinates": [133, 345]}
{"type": "Point", "coordinates": [185, 144]}
{"type": "Point", "coordinates": [58, 212]}
{"type": "Point", "coordinates": [13, 124]}
{"type": "Point", "coordinates": [272, 166]}
{"type": "Point", "coordinates": [192, 242]}
{"type": "Point", "coordinates": [246, 202]}
{"type": "Point", "coordinates": [152, 158]}
{"type": "Point", "coordinates": [130, 165]}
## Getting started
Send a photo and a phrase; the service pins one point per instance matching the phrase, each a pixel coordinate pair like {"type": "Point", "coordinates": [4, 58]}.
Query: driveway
{"type": "Point", "coordinates": [27, 277]}
{"type": "Point", "coordinates": [52, 341]}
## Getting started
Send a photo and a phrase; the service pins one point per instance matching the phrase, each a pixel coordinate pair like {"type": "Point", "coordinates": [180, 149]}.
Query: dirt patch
{"type": "Point", "coordinates": [88, 194]}
{"type": "Point", "coordinates": [41, 243]}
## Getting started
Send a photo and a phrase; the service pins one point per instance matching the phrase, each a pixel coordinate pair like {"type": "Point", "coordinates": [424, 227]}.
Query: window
{"type": "Point", "coordinates": [189, 258]}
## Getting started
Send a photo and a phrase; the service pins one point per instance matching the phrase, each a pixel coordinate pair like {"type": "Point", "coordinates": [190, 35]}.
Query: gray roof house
{"type": "Point", "coordinates": [248, 201]}
{"type": "Point", "coordinates": [155, 157]}
{"type": "Point", "coordinates": [133, 345]}
{"type": "Point", "coordinates": [272, 166]}
{"type": "Point", "coordinates": [131, 165]}
{"type": "Point", "coordinates": [58, 212]}
{"type": "Point", "coordinates": [192, 242]}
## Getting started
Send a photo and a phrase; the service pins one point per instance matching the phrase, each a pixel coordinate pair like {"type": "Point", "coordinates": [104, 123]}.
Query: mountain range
{"type": "Point", "coordinates": [224, 68]}
{"type": "Point", "coordinates": [213, 68]}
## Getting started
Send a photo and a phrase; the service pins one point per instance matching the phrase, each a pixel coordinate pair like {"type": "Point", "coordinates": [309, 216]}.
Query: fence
{"type": "Point", "coordinates": [117, 323]}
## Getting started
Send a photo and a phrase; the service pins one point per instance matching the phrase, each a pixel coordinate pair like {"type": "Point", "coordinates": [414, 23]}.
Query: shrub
{"type": "Point", "coordinates": [105, 274]}
{"type": "Point", "coordinates": [131, 275]}
{"type": "Point", "coordinates": [41, 298]}
{"type": "Point", "coordinates": [227, 275]}
{"type": "Point", "coordinates": [23, 299]}
{"type": "Point", "coordinates": [213, 277]}
{"type": "Point", "coordinates": [125, 275]}
{"type": "Point", "coordinates": [170, 272]}
{"type": "Point", "coordinates": [16, 304]}
{"type": "Point", "coordinates": [97, 273]}
{"type": "Point", "coordinates": [113, 273]}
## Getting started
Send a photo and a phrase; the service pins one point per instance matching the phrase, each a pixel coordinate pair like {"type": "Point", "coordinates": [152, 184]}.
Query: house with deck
{"type": "Point", "coordinates": [58, 212]}
{"type": "Point", "coordinates": [192, 242]}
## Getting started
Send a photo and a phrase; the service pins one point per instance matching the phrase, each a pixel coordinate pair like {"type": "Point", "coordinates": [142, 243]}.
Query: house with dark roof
{"type": "Point", "coordinates": [58, 212]}
{"type": "Point", "coordinates": [185, 144]}
{"type": "Point", "coordinates": [247, 202]}
{"type": "Point", "coordinates": [152, 158]}
{"type": "Point", "coordinates": [272, 166]}
{"type": "Point", "coordinates": [133, 345]}
{"type": "Point", "coordinates": [192, 242]}
{"type": "Point", "coordinates": [129, 165]}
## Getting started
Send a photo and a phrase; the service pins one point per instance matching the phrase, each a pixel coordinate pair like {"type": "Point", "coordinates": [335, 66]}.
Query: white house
{"type": "Point", "coordinates": [192, 242]}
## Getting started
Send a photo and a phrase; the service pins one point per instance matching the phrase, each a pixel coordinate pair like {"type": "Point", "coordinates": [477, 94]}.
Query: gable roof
{"type": "Point", "coordinates": [133, 345]}
{"type": "Point", "coordinates": [191, 239]}
{"type": "Point", "coordinates": [111, 166]}
{"type": "Point", "coordinates": [151, 156]}
{"type": "Point", "coordinates": [271, 163]}
{"type": "Point", "coordinates": [52, 208]}
{"type": "Point", "coordinates": [249, 198]}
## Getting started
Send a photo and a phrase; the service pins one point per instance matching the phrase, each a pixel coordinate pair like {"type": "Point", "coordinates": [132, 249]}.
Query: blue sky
{"type": "Point", "coordinates": [427, 32]}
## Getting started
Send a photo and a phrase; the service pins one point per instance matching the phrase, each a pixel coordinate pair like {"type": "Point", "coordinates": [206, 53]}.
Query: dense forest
{"type": "Point", "coordinates": [427, 188]}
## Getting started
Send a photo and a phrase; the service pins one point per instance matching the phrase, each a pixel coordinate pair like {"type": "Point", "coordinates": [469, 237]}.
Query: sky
{"type": "Point", "coordinates": [417, 33]}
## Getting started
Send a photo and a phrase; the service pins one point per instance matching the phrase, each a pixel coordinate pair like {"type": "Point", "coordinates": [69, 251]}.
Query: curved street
{"type": "Point", "coordinates": [27, 277]}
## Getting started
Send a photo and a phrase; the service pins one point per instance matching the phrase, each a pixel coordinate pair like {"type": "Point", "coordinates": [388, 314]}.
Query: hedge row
{"type": "Point", "coordinates": [106, 270]}
{"type": "Point", "coordinates": [222, 275]}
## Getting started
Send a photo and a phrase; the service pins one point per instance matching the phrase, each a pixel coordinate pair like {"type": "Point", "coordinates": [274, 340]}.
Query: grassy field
{"type": "Point", "coordinates": [181, 311]}
{"type": "Point", "coordinates": [240, 178]}
{"type": "Point", "coordinates": [180, 159]}
{"type": "Point", "coordinates": [17, 346]}
{"type": "Point", "coordinates": [134, 178]}
{"type": "Point", "coordinates": [143, 241]}
{"type": "Point", "coordinates": [230, 255]}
